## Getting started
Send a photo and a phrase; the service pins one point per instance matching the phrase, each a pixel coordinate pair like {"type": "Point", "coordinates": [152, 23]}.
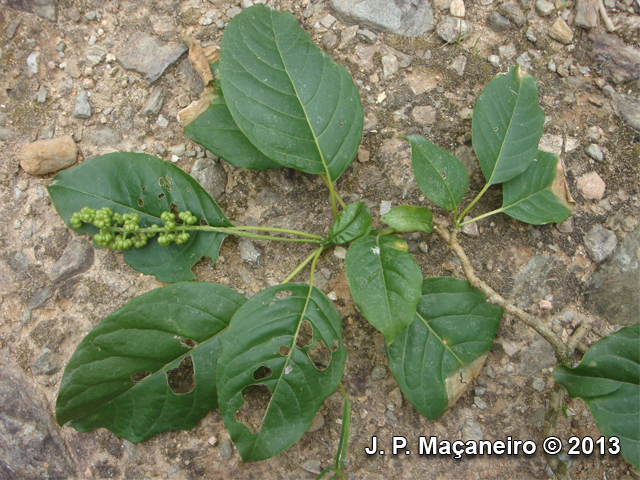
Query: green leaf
{"type": "Point", "coordinates": [540, 194]}
{"type": "Point", "coordinates": [175, 327]}
{"type": "Point", "coordinates": [216, 130]}
{"type": "Point", "coordinates": [439, 174]}
{"type": "Point", "coordinates": [289, 339]}
{"type": "Point", "coordinates": [353, 222]}
{"type": "Point", "coordinates": [288, 97]}
{"type": "Point", "coordinates": [135, 182]}
{"type": "Point", "coordinates": [384, 281]}
{"type": "Point", "coordinates": [608, 381]}
{"type": "Point", "coordinates": [445, 347]}
{"type": "Point", "coordinates": [507, 125]}
{"type": "Point", "coordinates": [406, 217]}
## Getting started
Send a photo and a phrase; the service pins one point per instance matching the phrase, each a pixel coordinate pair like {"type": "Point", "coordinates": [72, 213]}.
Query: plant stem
{"type": "Point", "coordinates": [479, 217]}
{"type": "Point", "coordinates": [299, 268]}
{"type": "Point", "coordinates": [563, 352]}
{"type": "Point", "coordinates": [313, 264]}
{"type": "Point", "coordinates": [382, 231]}
{"type": "Point", "coordinates": [278, 230]}
{"type": "Point", "coordinates": [332, 193]}
{"type": "Point", "coordinates": [473, 202]}
{"type": "Point", "coordinates": [559, 467]}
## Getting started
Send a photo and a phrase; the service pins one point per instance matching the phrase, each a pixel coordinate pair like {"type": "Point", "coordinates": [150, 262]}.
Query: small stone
{"type": "Point", "coordinates": [43, 365]}
{"type": "Point", "coordinates": [7, 134]}
{"type": "Point", "coordinates": [566, 226]}
{"type": "Point", "coordinates": [33, 63]}
{"type": "Point", "coordinates": [42, 94]}
{"type": "Point", "coordinates": [39, 298]}
{"type": "Point", "coordinates": [586, 14]}
{"type": "Point", "coordinates": [458, 65]}
{"type": "Point", "coordinates": [340, 252]}
{"type": "Point", "coordinates": [560, 31]}
{"type": "Point", "coordinates": [471, 431]}
{"type": "Point", "coordinates": [470, 229]}
{"type": "Point", "coordinates": [507, 51]}
{"type": "Point", "coordinates": [154, 103]}
{"type": "Point", "coordinates": [456, 8]}
{"type": "Point", "coordinates": [77, 258]}
{"type": "Point", "coordinates": [498, 23]}
{"type": "Point", "coordinates": [46, 156]}
{"type": "Point", "coordinates": [210, 175]}
{"type": "Point", "coordinates": [531, 36]}
{"type": "Point", "coordinates": [451, 29]}
{"type": "Point", "coordinates": [327, 21]}
{"type": "Point", "coordinates": [424, 115]}
{"type": "Point", "coordinates": [317, 423]}
{"type": "Point", "coordinates": [389, 65]}
{"type": "Point", "coordinates": [330, 40]}
{"type": "Point", "coordinates": [149, 56]}
{"type": "Point", "coordinates": [538, 384]}
{"type": "Point", "coordinates": [246, 3]}
{"type": "Point", "coordinates": [378, 373]}
{"type": "Point", "coordinates": [466, 113]}
{"type": "Point", "coordinates": [91, 15]}
{"type": "Point", "coordinates": [363, 155]}
{"type": "Point", "coordinates": [162, 122]}
{"type": "Point", "coordinates": [313, 466]}
{"type": "Point", "coordinates": [367, 35]}
{"type": "Point", "coordinates": [594, 152]}
{"type": "Point", "coordinates": [480, 403]}
{"type": "Point", "coordinates": [600, 243]}
{"type": "Point", "coordinates": [551, 143]}
{"type": "Point", "coordinates": [396, 397]}
{"type": "Point", "coordinates": [347, 36]}
{"type": "Point", "coordinates": [494, 60]}
{"type": "Point", "coordinates": [385, 207]}
{"type": "Point", "coordinates": [544, 8]}
{"type": "Point", "coordinates": [591, 186]}
{"type": "Point", "coordinates": [391, 416]}
{"type": "Point", "coordinates": [178, 150]}
{"type": "Point", "coordinates": [212, 441]}
{"type": "Point", "coordinates": [248, 252]}
{"type": "Point", "coordinates": [83, 107]}
{"type": "Point", "coordinates": [232, 12]}
{"type": "Point", "coordinates": [545, 305]}
{"type": "Point", "coordinates": [226, 449]}
{"type": "Point", "coordinates": [524, 61]}
{"type": "Point", "coordinates": [514, 13]}
{"type": "Point", "coordinates": [95, 55]}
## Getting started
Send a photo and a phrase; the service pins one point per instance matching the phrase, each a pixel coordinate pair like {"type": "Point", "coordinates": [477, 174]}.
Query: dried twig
{"type": "Point", "coordinates": [605, 17]}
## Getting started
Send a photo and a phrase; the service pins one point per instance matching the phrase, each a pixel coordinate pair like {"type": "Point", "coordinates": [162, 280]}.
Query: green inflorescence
{"type": "Point", "coordinates": [122, 231]}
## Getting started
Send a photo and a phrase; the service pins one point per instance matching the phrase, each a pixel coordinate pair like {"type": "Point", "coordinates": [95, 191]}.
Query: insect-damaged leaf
{"type": "Point", "coordinates": [445, 346]}
{"type": "Point", "coordinates": [406, 217]}
{"type": "Point", "coordinates": [540, 194]}
{"type": "Point", "coordinates": [608, 381]}
{"type": "Point", "coordinates": [270, 342]}
{"type": "Point", "coordinates": [507, 125]}
{"type": "Point", "coordinates": [143, 184]}
{"type": "Point", "coordinates": [384, 281]}
{"type": "Point", "coordinates": [353, 222]}
{"type": "Point", "coordinates": [216, 130]}
{"type": "Point", "coordinates": [288, 97]}
{"type": "Point", "coordinates": [149, 367]}
{"type": "Point", "coordinates": [439, 174]}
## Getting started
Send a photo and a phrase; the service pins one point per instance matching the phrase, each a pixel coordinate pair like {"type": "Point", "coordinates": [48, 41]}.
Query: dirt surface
{"type": "Point", "coordinates": [509, 397]}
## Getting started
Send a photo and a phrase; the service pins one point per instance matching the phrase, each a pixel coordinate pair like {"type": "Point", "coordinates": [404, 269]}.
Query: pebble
{"type": "Point", "coordinates": [594, 152]}
{"type": "Point", "coordinates": [560, 31]}
{"type": "Point", "coordinates": [83, 107]}
{"type": "Point", "coordinates": [470, 229]}
{"type": "Point", "coordinates": [210, 175]}
{"type": "Point", "coordinates": [498, 23]}
{"type": "Point", "coordinates": [378, 373]}
{"type": "Point", "coordinates": [600, 243]}
{"type": "Point", "coordinates": [178, 149]}
{"type": "Point", "coordinates": [248, 252]}
{"type": "Point", "coordinates": [32, 63]}
{"type": "Point", "coordinates": [312, 465]}
{"type": "Point", "coordinates": [212, 441]}
{"type": "Point", "coordinates": [591, 186]}
{"type": "Point", "coordinates": [620, 61]}
{"type": "Point", "coordinates": [627, 106]}
{"type": "Point", "coordinates": [46, 156]}
{"type": "Point", "coordinates": [367, 35]}
{"type": "Point", "coordinates": [154, 102]}
{"type": "Point", "coordinates": [330, 40]}
{"type": "Point", "coordinates": [385, 207]}
{"type": "Point", "coordinates": [480, 403]}
{"type": "Point", "coordinates": [551, 143]}
{"type": "Point", "coordinates": [43, 364]}
{"type": "Point", "coordinates": [538, 384]}
{"type": "Point", "coordinates": [327, 21]}
{"type": "Point", "coordinates": [232, 12]}
{"type": "Point", "coordinates": [226, 449]}
{"type": "Point", "coordinates": [95, 55]}
{"type": "Point", "coordinates": [544, 8]}
{"type": "Point", "coordinates": [347, 36]}
{"type": "Point", "coordinates": [39, 298]}
{"type": "Point", "coordinates": [389, 65]}
{"type": "Point", "coordinates": [494, 60]}
{"type": "Point", "coordinates": [545, 305]}
{"type": "Point", "coordinates": [458, 65]}
{"type": "Point", "coordinates": [472, 431]}
{"type": "Point", "coordinates": [162, 122]}
{"type": "Point", "coordinates": [77, 258]}
{"type": "Point", "coordinates": [317, 423]}
{"type": "Point", "coordinates": [396, 397]}
{"type": "Point", "coordinates": [149, 56]}
{"type": "Point", "coordinates": [524, 61]}
{"type": "Point", "coordinates": [424, 115]}
{"type": "Point", "coordinates": [507, 51]}
{"type": "Point", "coordinates": [451, 29]}
{"type": "Point", "coordinates": [456, 8]}
{"type": "Point", "coordinates": [340, 252]}
{"type": "Point", "coordinates": [42, 94]}
{"type": "Point", "coordinates": [514, 13]}
{"type": "Point", "coordinates": [391, 416]}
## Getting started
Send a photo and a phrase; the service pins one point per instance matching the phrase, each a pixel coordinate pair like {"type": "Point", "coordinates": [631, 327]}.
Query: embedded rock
{"type": "Point", "coordinates": [620, 63]}
{"type": "Point", "coordinates": [77, 258]}
{"type": "Point", "coordinates": [43, 8]}
{"type": "Point", "coordinates": [149, 56]}
{"type": "Point", "coordinates": [210, 175]}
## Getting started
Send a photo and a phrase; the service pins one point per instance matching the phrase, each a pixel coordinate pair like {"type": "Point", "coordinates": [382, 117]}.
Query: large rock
{"type": "Point", "coordinates": [619, 62]}
{"type": "Point", "coordinates": [43, 8]}
{"type": "Point", "coordinates": [613, 290]}
{"type": "Point", "coordinates": [30, 447]}
{"type": "Point", "coordinates": [46, 156]}
{"type": "Point", "coordinates": [149, 56]}
{"type": "Point", "coordinates": [412, 18]}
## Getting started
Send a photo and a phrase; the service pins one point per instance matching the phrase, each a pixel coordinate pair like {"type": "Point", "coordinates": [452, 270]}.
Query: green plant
{"type": "Point", "coordinates": [275, 100]}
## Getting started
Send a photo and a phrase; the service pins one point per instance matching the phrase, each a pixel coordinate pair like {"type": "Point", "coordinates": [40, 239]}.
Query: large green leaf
{"type": "Point", "coordinates": [384, 281]}
{"type": "Point", "coordinates": [507, 125]}
{"type": "Point", "coordinates": [439, 174]}
{"type": "Point", "coordinates": [135, 182]}
{"type": "Point", "coordinates": [446, 345]}
{"type": "Point", "coordinates": [270, 343]}
{"type": "Point", "coordinates": [540, 194]}
{"type": "Point", "coordinates": [406, 218]}
{"type": "Point", "coordinates": [123, 374]}
{"type": "Point", "coordinates": [353, 222]}
{"type": "Point", "coordinates": [288, 97]}
{"type": "Point", "coordinates": [216, 130]}
{"type": "Point", "coordinates": [608, 380]}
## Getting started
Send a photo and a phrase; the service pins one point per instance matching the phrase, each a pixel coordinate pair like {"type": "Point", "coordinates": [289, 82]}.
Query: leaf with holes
{"type": "Point", "coordinates": [143, 184]}
{"type": "Point", "coordinates": [407, 218]}
{"type": "Point", "coordinates": [608, 381]}
{"type": "Point", "coordinates": [439, 174]}
{"type": "Point", "coordinates": [507, 125]}
{"type": "Point", "coordinates": [149, 367]}
{"type": "Point", "coordinates": [352, 223]}
{"type": "Point", "coordinates": [445, 347]}
{"type": "Point", "coordinates": [540, 194]}
{"type": "Point", "coordinates": [384, 281]}
{"type": "Point", "coordinates": [288, 339]}
{"type": "Point", "coordinates": [216, 130]}
{"type": "Point", "coordinates": [289, 98]}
